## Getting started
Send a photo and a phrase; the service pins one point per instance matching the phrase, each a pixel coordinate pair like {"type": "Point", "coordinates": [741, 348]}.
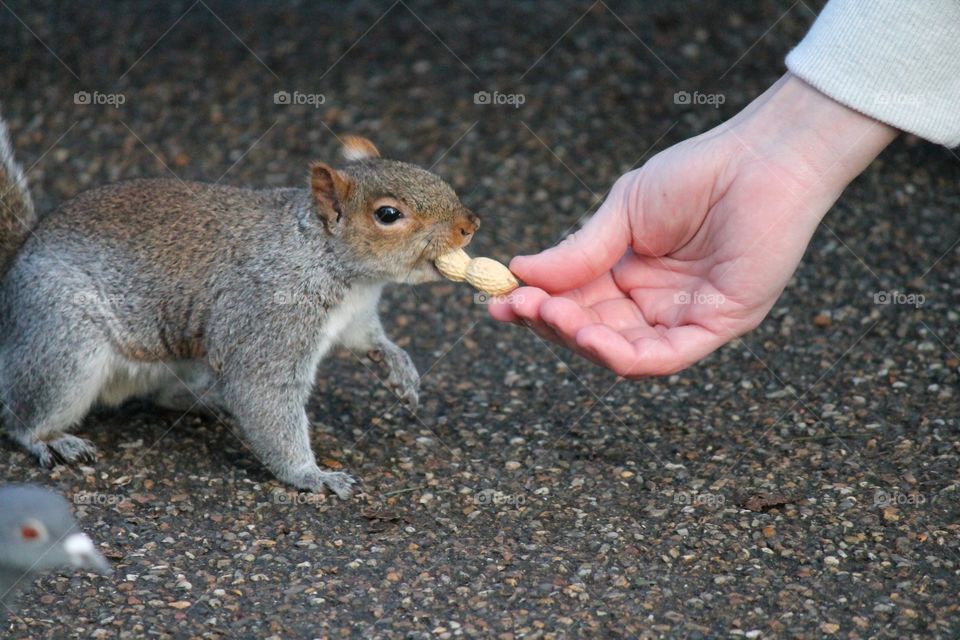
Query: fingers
{"type": "Point", "coordinates": [636, 352]}
{"type": "Point", "coordinates": [509, 308]}
{"type": "Point", "coordinates": [565, 317]}
{"type": "Point", "coordinates": [502, 310]}
{"type": "Point", "coordinates": [584, 255]}
{"type": "Point", "coordinates": [522, 307]}
{"type": "Point", "coordinates": [527, 307]}
{"type": "Point", "coordinates": [675, 349]}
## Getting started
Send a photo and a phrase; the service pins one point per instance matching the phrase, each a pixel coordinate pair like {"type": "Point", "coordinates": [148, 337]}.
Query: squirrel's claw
{"type": "Point", "coordinates": [316, 480]}
{"type": "Point", "coordinates": [66, 449]}
{"type": "Point", "coordinates": [340, 483]}
{"type": "Point", "coordinates": [410, 398]}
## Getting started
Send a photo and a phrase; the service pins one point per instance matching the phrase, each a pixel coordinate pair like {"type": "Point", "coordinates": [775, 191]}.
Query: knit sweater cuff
{"type": "Point", "coordinates": [898, 62]}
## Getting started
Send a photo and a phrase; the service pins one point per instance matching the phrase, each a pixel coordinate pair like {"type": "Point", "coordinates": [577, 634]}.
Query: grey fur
{"type": "Point", "coordinates": [215, 296]}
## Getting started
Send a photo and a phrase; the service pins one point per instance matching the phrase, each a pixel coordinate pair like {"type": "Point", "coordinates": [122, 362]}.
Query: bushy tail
{"type": "Point", "coordinates": [17, 215]}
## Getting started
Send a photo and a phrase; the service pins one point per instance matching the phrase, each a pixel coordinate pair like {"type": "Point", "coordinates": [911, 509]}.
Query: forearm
{"type": "Point", "coordinates": [825, 143]}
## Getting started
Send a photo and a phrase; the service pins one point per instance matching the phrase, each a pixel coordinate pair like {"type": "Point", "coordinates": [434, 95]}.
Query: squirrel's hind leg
{"type": "Point", "coordinates": [64, 448]}
{"type": "Point", "coordinates": [49, 391]}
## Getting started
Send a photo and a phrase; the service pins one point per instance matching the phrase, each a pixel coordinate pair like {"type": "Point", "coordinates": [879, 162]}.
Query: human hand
{"type": "Point", "coordinates": [693, 249]}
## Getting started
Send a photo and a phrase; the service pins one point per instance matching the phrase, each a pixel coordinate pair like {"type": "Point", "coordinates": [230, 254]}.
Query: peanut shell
{"type": "Point", "coordinates": [489, 276]}
{"type": "Point", "coordinates": [453, 265]}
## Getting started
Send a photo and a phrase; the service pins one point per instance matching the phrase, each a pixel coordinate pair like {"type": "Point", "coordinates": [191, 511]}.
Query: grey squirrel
{"type": "Point", "coordinates": [198, 295]}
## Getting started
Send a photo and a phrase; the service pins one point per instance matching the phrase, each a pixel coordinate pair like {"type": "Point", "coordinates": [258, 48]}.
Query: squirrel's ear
{"type": "Point", "coordinates": [330, 190]}
{"type": "Point", "coordinates": [356, 148]}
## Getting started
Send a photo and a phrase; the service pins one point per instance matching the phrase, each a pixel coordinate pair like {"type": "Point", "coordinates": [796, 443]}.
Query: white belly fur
{"type": "Point", "coordinates": [352, 313]}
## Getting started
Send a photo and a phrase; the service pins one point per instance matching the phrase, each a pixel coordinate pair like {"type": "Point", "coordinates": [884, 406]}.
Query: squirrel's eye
{"type": "Point", "coordinates": [388, 215]}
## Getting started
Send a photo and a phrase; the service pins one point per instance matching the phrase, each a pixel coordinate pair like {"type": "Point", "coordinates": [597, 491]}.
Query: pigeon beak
{"type": "Point", "coordinates": [83, 555]}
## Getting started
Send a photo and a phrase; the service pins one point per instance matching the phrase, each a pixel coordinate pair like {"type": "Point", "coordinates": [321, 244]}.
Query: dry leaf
{"type": "Point", "coordinates": [762, 501]}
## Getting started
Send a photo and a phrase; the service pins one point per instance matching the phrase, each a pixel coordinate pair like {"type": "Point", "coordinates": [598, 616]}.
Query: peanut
{"type": "Point", "coordinates": [453, 265]}
{"type": "Point", "coordinates": [489, 276]}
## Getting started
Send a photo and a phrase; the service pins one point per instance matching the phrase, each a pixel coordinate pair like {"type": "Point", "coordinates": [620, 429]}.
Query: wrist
{"type": "Point", "coordinates": [794, 124]}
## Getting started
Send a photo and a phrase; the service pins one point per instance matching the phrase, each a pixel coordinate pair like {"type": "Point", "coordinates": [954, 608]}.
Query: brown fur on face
{"type": "Point", "coordinates": [434, 220]}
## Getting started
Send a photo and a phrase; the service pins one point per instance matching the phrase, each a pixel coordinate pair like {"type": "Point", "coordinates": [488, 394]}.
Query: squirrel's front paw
{"type": "Point", "coordinates": [403, 379]}
{"type": "Point", "coordinates": [405, 382]}
{"type": "Point", "coordinates": [316, 480]}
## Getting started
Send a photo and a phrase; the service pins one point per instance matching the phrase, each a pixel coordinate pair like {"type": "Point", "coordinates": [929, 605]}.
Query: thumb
{"type": "Point", "coordinates": [584, 255]}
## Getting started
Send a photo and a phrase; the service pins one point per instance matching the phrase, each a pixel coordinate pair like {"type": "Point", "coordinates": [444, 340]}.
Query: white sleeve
{"type": "Point", "coordinates": [895, 60]}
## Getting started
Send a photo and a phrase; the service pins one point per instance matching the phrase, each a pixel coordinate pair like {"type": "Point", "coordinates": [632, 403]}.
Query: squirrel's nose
{"type": "Point", "coordinates": [468, 224]}
{"type": "Point", "coordinates": [471, 224]}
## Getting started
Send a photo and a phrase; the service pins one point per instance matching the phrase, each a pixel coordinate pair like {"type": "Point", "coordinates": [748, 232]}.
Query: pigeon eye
{"type": "Point", "coordinates": [388, 215]}
{"type": "Point", "coordinates": [30, 532]}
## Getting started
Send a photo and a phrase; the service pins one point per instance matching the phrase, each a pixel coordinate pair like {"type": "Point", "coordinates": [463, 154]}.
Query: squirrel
{"type": "Point", "coordinates": [201, 296]}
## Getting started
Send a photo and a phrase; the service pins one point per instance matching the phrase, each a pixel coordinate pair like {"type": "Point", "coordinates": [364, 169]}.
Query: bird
{"type": "Point", "coordinates": [39, 533]}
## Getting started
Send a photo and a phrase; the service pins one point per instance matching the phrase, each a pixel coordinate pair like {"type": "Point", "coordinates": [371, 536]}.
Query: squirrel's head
{"type": "Point", "coordinates": [395, 218]}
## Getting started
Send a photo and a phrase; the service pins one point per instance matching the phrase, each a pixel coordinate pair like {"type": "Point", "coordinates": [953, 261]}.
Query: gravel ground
{"type": "Point", "coordinates": [800, 483]}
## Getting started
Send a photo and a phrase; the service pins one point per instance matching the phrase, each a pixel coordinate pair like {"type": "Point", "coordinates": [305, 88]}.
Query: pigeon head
{"type": "Point", "coordinates": [37, 533]}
